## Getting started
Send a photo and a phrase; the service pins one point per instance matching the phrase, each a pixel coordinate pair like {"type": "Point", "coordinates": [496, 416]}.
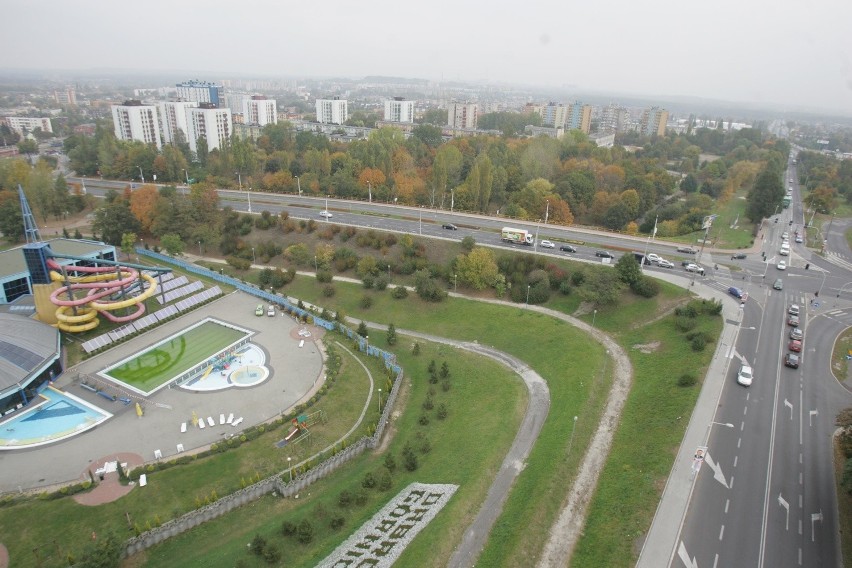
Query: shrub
{"type": "Point", "coordinates": [258, 545]}
{"type": "Point", "coordinates": [367, 281]}
{"type": "Point", "coordinates": [329, 290]}
{"type": "Point", "coordinates": [369, 480]}
{"type": "Point", "coordinates": [306, 532]}
{"type": "Point", "coordinates": [366, 302]}
{"type": "Point", "coordinates": [337, 522]}
{"type": "Point", "coordinates": [424, 421]}
{"type": "Point", "coordinates": [386, 481]}
{"type": "Point", "coordinates": [698, 343]}
{"type": "Point", "coordinates": [565, 288]}
{"type": "Point", "coordinates": [686, 380]}
{"type": "Point", "coordinates": [272, 555]}
{"type": "Point", "coordinates": [238, 263]}
{"type": "Point", "coordinates": [645, 287]}
{"type": "Point", "coordinates": [442, 411]}
{"type": "Point", "coordinates": [399, 293]}
{"type": "Point", "coordinates": [445, 385]}
{"type": "Point", "coordinates": [345, 498]}
{"type": "Point", "coordinates": [382, 282]}
{"type": "Point", "coordinates": [685, 323]}
{"type": "Point", "coordinates": [409, 458]}
{"type": "Point", "coordinates": [360, 498]}
{"type": "Point", "coordinates": [578, 278]}
{"type": "Point", "coordinates": [390, 462]}
{"type": "Point", "coordinates": [428, 404]}
{"type": "Point", "coordinates": [289, 528]}
{"type": "Point", "coordinates": [324, 276]}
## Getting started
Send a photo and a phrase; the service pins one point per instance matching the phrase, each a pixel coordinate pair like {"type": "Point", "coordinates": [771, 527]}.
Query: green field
{"type": "Point", "coordinates": [162, 363]}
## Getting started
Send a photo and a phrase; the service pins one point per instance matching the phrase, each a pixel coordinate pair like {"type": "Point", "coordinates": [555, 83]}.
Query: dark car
{"type": "Point", "coordinates": [687, 250]}
{"type": "Point", "coordinates": [449, 226]}
{"type": "Point", "coordinates": [738, 256]}
{"type": "Point", "coordinates": [603, 254]}
{"type": "Point", "coordinates": [735, 292]}
{"type": "Point", "coordinates": [686, 262]}
{"type": "Point", "coordinates": [792, 360]}
{"type": "Point", "coordinates": [567, 248]}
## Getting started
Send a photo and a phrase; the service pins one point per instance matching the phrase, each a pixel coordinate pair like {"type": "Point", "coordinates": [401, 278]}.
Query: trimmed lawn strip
{"type": "Point", "coordinates": [651, 429]}
{"type": "Point", "coordinates": [484, 397]}
{"type": "Point", "coordinates": [839, 363]}
{"type": "Point", "coordinates": [183, 488]}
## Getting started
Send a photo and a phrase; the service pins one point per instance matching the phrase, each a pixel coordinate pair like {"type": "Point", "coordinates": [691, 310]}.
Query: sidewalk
{"type": "Point", "coordinates": [661, 541]}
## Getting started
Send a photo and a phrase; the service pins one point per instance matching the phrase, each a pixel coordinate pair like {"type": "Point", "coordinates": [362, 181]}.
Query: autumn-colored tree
{"type": "Point", "coordinates": [325, 254]}
{"type": "Point", "coordinates": [371, 178]}
{"type": "Point", "coordinates": [143, 205]}
{"type": "Point", "coordinates": [560, 212]}
{"type": "Point", "coordinates": [478, 269]}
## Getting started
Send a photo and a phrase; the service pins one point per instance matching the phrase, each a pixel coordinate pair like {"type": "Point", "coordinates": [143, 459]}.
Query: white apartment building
{"type": "Point", "coordinates": [260, 110]}
{"type": "Point", "coordinates": [462, 115]}
{"type": "Point", "coordinates": [201, 92]}
{"type": "Point", "coordinates": [173, 119]}
{"type": "Point", "coordinates": [67, 96]}
{"type": "Point", "coordinates": [399, 110]}
{"type": "Point", "coordinates": [135, 121]}
{"type": "Point", "coordinates": [332, 111]}
{"type": "Point", "coordinates": [25, 124]}
{"type": "Point", "coordinates": [212, 124]}
{"type": "Point", "coordinates": [236, 102]}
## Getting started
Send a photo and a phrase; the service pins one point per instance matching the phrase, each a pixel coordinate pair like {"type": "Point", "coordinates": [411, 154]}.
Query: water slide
{"type": "Point", "coordinates": [84, 297]}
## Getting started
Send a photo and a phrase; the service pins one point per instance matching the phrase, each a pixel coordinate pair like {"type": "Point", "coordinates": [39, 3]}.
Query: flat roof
{"type": "Point", "coordinates": [12, 261]}
{"type": "Point", "coordinates": [25, 344]}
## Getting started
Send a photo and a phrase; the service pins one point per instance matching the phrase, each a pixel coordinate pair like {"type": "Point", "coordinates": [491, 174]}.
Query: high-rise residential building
{"type": "Point", "coordinates": [553, 114]}
{"type": "Point", "coordinates": [579, 117]}
{"type": "Point", "coordinates": [66, 97]}
{"type": "Point", "coordinates": [614, 118]}
{"type": "Point", "coordinates": [136, 121]}
{"type": "Point", "coordinates": [173, 120]}
{"type": "Point", "coordinates": [462, 115]}
{"type": "Point", "coordinates": [399, 110]}
{"type": "Point", "coordinates": [201, 92]}
{"type": "Point", "coordinates": [25, 124]}
{"type": "Point", "coordinates": [654, 121]}
{"type": "Point", "coordinates": [332, 111]}
{"type": "Point", "coordinates": [260, 110]}
{"type": "Point", "coordinates": [210, 123]}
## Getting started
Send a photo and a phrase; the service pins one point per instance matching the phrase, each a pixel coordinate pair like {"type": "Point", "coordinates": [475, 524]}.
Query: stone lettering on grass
{"type": "Point", "coordinates": [382, 539]}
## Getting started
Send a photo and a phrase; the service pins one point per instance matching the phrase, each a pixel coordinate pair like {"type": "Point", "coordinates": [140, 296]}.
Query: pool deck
{"type": "Point", "coordinates": [294, 374]}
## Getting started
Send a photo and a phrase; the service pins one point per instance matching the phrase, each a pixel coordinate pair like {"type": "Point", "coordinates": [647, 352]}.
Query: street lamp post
{"type": "Point", "coordinates": [141, 175]}
{"type": "Point", "coordinates": [528, 294]}
{"type": "Point", "coordinates": [389, 272]}
{"type": "Point", "coordinates": [380, 401]}
{"type": "Point", "coordinates": [420, 220]}
{"type": "Point", "coordinates": [299, 185]}
{"type": "Point", "coordinates": [535, 244]}
{"type": "Point", "coordinates": [253, 258]}
{"type": "Point", "coordinates": [239, 180]}
{"type": "Point", "coordinates": [455, 282]}
{"type": "Point", "coordinates": [248, 194]}
{"type": "Point", "coordinates": [326, 208]}
{"type": "Point", "coordinates": [571, 440]}
{"type": "Point", "coordinates": [186, 174]}
{"type": "Point", "coordinates": [289, 468]}
{"type": "Point", "coordinates": [199, 248]}
{"type": "Point", "coordinates": [316, 266]}
{"type": "Point", "coordinates": [452, 199]}
{"type": "Point", "coordinates": [594, 317]}
{"type": "Point", "coordinates": [369, 192]}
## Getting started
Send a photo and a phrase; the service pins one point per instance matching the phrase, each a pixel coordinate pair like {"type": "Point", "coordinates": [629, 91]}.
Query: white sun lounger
{"type": "Point", "coordinates": [237, 421]}
{"type": "Point", "coordinates": [143, 480]}
{"type": "Point", "coordinates": [201, 423]}
{"type": "Point", "coordinates": [210, 421]}
{"type": "Point", "coordinates": [221, 419]}
{"type": "Point", "coordinates": [183, 427]}
{"type": "Point", "coordinates": [230, 418]}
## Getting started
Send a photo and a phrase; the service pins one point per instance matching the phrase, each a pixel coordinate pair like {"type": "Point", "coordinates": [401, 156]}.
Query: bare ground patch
{"type": "Point", "coordinates": [647, 347]}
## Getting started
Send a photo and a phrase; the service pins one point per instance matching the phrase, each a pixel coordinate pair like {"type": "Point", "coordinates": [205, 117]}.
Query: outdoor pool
{"type": "Point", "coordinates": [56, 415]}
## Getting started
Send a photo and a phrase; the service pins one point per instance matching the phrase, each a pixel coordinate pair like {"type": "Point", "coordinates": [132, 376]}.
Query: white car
{"type": "Point", "coordinates": [326, 214]}
{"type": "Point", "coordinates": [785, 236]}
{"type": "Point", "coordinates": [663, 263]}
{"type": "Point", "coordinates": [799, 239]}
{"type": "Point", "coordinates": [745, 375]}
{"type": "Point", "coordinates": [547, 245]}
{"type": "Point", "coordinates": [782, 265]}
{"type": "Point", "coordinates": [694, 268]}
{"type": "Point", "coordinates": [655, 258]}
{"type": "Point", "coordinates": [793, 310]}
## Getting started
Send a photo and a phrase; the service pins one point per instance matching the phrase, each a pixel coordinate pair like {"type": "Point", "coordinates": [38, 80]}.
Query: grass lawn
{"type": "Point", "coordinates": [721, 234]}
{"type": "Point", "coordinates": [484, 398]}
{"type": "Point", "coordinates": [169, 359]}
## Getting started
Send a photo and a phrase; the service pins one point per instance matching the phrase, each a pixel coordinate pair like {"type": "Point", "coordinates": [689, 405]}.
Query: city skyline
{"type": "Point", "coordinates": [755, 53]}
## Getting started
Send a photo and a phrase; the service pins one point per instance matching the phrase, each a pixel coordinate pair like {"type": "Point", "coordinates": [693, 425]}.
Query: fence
{"type": "Point", "coordinates": [273, 483]}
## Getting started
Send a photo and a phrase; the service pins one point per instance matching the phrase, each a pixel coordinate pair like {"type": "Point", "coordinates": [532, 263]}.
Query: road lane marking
{"type": "Point", "coordinates": [727, 503]}
{"type": "Point", "coordinates": [721, 532]}
{"type": "Point", "coordinates": [735, 462]}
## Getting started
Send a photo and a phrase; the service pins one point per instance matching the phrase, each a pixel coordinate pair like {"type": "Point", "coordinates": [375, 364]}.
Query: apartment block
{"type": "Point", "coordinates": [399, 110]}
{"type": "Point", "coordinates": [201, 92]}
{"type": "Point", "coordinates": [173, 120]}
{"type": "Point", "coordinates": [332, 111]}
{"type": "Point", "coordinates": [462, 115]}
{"type": "Point", "coordinates": [210, 123]}
{"type": "Point", "coordinates": [136, 121]}
{"type": "Point", "coordinates": [579, 117]}
{"type": "Point", "coordinates": [25, 125]}
{"type": "Point", "coordinates": [653, 121]}
{"type": "Point", "coordinates": [260, 110]}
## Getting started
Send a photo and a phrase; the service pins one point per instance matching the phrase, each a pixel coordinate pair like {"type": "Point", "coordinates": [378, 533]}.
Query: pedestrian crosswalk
{"type": "Point", "coordinates": [838, 260]}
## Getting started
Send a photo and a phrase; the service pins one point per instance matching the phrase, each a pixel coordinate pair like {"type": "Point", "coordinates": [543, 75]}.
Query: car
{"type": "Point", "coordinates": [735, 292]}
{"type": "Point", "coordinates": [795, 345]}
{"type": "Point", "coordinates": [258, 311]}
{"type": "Point", "coordinates": [326, 214]}
{"type": "Point", "coordinates": [797, 333]}
{"type": "Point", "coordinates": [663, 263]}
{"type": "Point", "coordinates": [738, 256]}
{"type": "Point", "coordinates": [793, 321]}
{"type": "Point", "coordinates": [782, 265]}
{"type": "Point", "coordinates": [567, 248]}
{"type": "Point", "coordinates": [655, 258]}
{"type": "Point", "coordinates": [547, 244]}
{"type": "Point", "coordinates": [779, 284]}
{"type": "Point", "coordinates": [793, 310]}
{"type": "Point", "coordinates": [694, 268]}
{"type": "Point", "coordinates": [687, 250]}
{"type": "Point", "coordinates": [603, 254]}
{"type": "Point", "coordinates": [745, 375]}
{"type": "Point", "coordinates": [449, 226]}
{"type": "Point", "coordinates": [799, 239]}
{"type": "Point", "coordinates": [792, 360]}
{"type": "Point", "coordinates": [271, 311]}
{"type": "Point", "coordinates": [785, 236]}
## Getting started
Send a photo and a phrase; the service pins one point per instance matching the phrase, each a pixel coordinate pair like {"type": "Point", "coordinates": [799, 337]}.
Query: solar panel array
{"type": "Point", "coordinates": [166, 312]}
{"type": "Point", "coordinates": [172, 295]}
{"type": "Point", "coordinates": [123, 331]}
{"type": "Point", "coordinates": [164, 276]}
{"type": "Point", "coordinates": [174, 283]}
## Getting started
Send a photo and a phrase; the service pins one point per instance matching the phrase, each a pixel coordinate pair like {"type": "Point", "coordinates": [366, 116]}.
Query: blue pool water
{"type": "Point", "coordinates": [56, 415]}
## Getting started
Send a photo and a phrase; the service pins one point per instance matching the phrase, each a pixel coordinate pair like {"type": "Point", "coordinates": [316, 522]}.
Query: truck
{"type": "Point", "coordinates": [516, 236]}
{"type": "Point", "coordinates": [787, 200]}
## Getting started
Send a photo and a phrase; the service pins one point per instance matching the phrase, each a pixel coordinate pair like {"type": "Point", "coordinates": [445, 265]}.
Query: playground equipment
{"type": "Point", "coordinates": [96, 284]}
{"type": "Point", "coordinates": [300, 429]}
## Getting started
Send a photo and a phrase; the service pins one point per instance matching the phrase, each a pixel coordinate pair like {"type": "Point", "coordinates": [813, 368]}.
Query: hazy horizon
{"type": "Point", "coordinates": [755, 53]}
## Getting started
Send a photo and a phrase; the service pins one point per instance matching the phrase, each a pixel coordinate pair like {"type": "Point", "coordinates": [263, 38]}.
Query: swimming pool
{"type": "Point", "coordinates": [57, 416]}
{"type": "Point", "coordinates": [246, 370]}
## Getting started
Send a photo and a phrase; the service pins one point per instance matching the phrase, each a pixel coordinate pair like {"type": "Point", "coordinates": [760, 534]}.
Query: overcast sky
{"type": "Point", "coordinates": [798, 55]}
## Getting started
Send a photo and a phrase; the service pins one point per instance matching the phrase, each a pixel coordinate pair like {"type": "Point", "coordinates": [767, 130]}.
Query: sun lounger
{"type": "Point", "coordinates": [179, 448]}
{"type": "Point", "coordinates": [201, 423]}
{"type": "Point", "coordinates": [237, 421]}
{"type": "Point", "coordinates": [158, 455]}
{"type": "Point", "coordinates": [143, 480]}
{"type": "Point", "coordinates": [230, 418]}
{"type": "Point", "coordinates": [183, 427]}
{"type": "Point", "coordinates": [302, 343]}
{"type": "Point", "coordinates": [210, 421]}
{"type": "Point", "coordinates": [221, 419]}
